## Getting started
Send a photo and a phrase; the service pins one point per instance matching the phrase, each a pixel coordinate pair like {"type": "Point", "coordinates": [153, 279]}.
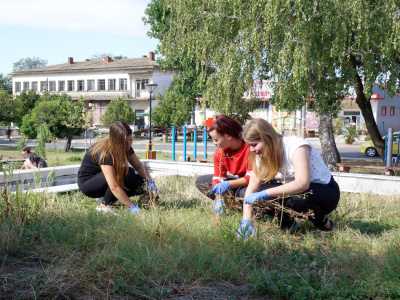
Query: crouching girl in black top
{"type": "Point", "coordinates": [104, 171]}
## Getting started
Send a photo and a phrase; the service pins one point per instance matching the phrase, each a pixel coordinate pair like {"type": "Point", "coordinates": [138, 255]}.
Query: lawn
{"type": "Point", "coordinates": [59, 247]}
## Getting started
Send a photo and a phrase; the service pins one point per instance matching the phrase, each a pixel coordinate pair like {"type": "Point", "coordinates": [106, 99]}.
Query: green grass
{"type": "Point", "coordinates": [59, 246]}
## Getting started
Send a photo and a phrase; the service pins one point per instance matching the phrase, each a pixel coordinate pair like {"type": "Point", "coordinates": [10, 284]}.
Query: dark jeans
{"type": "Point", "coordinates": [97, 187]}
{"type": "Point", "coordinates": [322, 201]}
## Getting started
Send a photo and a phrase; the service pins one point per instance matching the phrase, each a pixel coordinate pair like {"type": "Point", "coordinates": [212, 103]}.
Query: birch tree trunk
{"type": "Point", "coordinates": [330, 153]}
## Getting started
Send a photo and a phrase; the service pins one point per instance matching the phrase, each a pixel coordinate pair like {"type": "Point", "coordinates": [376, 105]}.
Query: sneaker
{"type": "Point", "coordinates": [291, 226]}
{"type": "Point", "coordinates": [100, 200]}
{"type": "Point", "coordinates": [106, 209]}
{"type": "Point", "coordinates": [323, 228]}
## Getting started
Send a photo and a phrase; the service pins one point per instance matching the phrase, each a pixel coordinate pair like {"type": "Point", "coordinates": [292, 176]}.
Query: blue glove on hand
{"type": "Point", "coordinates": [134, 209]}
{"type": "Point", "coordinates": [246, 228]}
{"type": "Point", "coordinates": [256, 196]}
{"type": "Point", "coordinates": [220, 188]}
{"type": "Point", "coordinates": [151, 186]}
{"type": "Point", "coordinates": [218, 208]}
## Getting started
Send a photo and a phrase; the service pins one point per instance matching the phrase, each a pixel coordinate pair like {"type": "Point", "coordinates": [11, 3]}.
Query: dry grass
{"type": "Point", "coordinates": [59, 247]}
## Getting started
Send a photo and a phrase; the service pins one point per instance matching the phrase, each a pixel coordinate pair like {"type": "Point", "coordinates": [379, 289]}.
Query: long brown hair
{"type": "Point", "coordinates": [113, 147]}
{"type": "Point", "coordinates": [271, 160]}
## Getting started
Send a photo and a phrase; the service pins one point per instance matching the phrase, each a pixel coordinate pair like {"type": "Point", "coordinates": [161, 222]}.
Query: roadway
{"type": "Point", "coordinates": [346, 151]}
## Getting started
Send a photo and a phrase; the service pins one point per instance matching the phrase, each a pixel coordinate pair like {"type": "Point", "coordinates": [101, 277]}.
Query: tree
{"type": "Point", "coordinates": [10, 110]}
{"type": "Point", "coordinates": [310, 48]}
{"type": "Point", "coordinates": [102, 55]}
{"type": "Point", "coordinates": [118, 110]}
{"type": "Point", "coordinates": [29, 63]}
{"type": "Point", "coordinates": [172, 110]}
{"type": "Point", "coordinates": [5, 83]}
{"type": "Point", "coordinates": [190, 80]}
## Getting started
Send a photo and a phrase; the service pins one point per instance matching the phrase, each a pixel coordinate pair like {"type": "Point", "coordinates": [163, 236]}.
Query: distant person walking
{"type": "Point", "coordinates": [33, 160]}
{"type": "Point", "coordinates": [8, 133]}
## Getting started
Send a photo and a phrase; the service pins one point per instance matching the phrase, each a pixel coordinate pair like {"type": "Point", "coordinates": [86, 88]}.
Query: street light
{"type": "Point", "coordinates": [150, 87]}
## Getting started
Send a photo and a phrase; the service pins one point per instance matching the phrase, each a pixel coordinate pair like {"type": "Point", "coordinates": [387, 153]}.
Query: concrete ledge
{"type": "Point", "coordinates": [66, 177]}
{"type": "Point", "coordinates": [57, 188]}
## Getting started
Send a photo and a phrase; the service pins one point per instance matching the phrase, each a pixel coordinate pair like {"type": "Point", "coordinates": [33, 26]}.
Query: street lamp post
{"type": "Point", "coordinates": [150, 87]}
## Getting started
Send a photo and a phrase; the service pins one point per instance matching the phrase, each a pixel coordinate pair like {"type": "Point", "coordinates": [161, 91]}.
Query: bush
{"type": "Point", "coordinates": [118, 110]}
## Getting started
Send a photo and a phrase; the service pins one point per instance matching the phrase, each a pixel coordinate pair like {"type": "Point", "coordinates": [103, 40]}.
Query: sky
{"type": "Point", "coordinates": [55, 30]}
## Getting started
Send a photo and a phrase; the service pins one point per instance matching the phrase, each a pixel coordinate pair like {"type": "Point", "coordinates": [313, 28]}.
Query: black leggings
{"type": "Point", "coordinates": [96, 186]}
{"type": "Point", "coordinates": [322, 200]}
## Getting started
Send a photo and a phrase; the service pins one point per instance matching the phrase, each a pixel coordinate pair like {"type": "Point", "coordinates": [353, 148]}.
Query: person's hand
{"type": "Point", "coordinates": [218, 208]}
{"type": "Point", "coordinates": [151, 186]}
{"type": "Point", "coordinates": [256, 196]}
{"type": "Point", "coordinates": [220, 188]}
{"type": "Point", "coordinates": [245, 229]}
{"type": "Point", "coordinates": [134, 209]}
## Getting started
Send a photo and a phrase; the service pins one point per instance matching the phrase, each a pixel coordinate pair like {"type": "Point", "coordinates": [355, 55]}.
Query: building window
{"type": "Point", "coordinates": [43, 86]}
{"type": "Point", "coordinates": [111, 84]}
{"type": "Point", "coordinates": [61, 86]}
{"type": "Point", "coordinates": [392, 110]}
{"type": "Point", "coordinates": [140, 86]}
{"type": "Point", "coordinates": [52, 86]}
{"type": "Point", "coordinates": [101, 85]}
{"type": "Point", "coordinates": [26, 86]}
{"type": "Point", "coordinates": [123, 84]}
{"type": "Point", "coordinates": [80, 85]}
{"type": "Point", "coordinates": [17, 86]}
{"type": "Point", "coordinates": [143, 82]}
{"type": "Point", "coordinates": [90, 85]}
{"type": "Point", "coordinates": [71, 85]}
{"type": "Point", "coordinates": [34, 85]}
{"type": "Point", "coordinates": [383, 111]}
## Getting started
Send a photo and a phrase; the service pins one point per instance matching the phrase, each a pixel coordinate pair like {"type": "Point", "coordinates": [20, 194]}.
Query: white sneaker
{"type": "Point", "coordinates": [106, 209]}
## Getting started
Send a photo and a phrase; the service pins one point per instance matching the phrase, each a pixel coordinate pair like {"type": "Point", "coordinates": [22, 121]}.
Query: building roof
{"type": "Point", "coordinates": [95, 66]}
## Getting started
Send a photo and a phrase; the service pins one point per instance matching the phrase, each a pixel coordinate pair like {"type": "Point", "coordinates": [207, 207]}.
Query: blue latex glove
{"type": "Point", "coordinates": [246, 228]}
{"type": "Point", "coordinates": [134, 209]}
{"type": "Point", "coordinates": [218, 208]}
{"type": "Point", "coordinates": [151, 186]}
{"type": "Point", "coordinates": [256, 196]}
{"type": "Point", "coordinates": [220, 188]}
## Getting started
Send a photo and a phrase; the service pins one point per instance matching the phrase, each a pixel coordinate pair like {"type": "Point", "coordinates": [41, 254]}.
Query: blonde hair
{"type": "Point", "coordinates": [271, 160]}
{"type": "Point", "coordinates": [113, 148]}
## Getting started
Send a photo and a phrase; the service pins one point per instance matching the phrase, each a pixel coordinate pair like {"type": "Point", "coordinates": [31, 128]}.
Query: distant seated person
{"type": "Point", "coordinates": [33, 161]}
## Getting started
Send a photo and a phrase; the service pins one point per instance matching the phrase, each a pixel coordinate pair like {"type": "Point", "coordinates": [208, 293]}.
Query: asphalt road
{"type": "Point", "coordinates": [346, 151]}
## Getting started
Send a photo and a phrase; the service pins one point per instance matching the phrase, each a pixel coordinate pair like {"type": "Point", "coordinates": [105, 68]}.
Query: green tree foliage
{"type": "Point", "coordinates": [172, 110]}
{"type": "Point", "coordinates": [118, 110]}
{"type": "Point", "coordinates": [29, 63]}
{"type": "Point", "coordinates": [5, 83]}
{"type": "Point", "coordinates": [58, 111]}
{"type": "Point", "coordinates": [102, 55]}
{"type": "Point", "coordinates": [189, 83]}
{"type": "Point", "coordinates": [28, 100]}
{"type": "Point", "coordinates": [10, 110]}
{"type": "Point", "coordinates": [310, 48]}
{"type": "Point", "coordinates": [44, 135]}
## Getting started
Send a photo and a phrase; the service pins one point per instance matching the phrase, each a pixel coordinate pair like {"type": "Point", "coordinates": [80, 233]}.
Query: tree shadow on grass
{"type": "Point", "coordinates": [371, 227]}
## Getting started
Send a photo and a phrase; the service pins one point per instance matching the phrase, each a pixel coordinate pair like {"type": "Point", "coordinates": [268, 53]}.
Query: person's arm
{"type": "Point", "coordinates": [301, 182]}
{"type": "Point", "coordinates": [111, 178]}
{"type": "Point", "coordinates": [139, 167]}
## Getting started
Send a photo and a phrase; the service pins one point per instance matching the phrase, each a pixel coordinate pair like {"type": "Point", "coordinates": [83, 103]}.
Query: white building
{"type": "Point", "coordinates": [98, 82]}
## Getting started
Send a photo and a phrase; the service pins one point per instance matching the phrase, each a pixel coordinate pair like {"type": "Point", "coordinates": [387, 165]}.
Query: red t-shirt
{"type": "Point", "coordinates": [233, 162]}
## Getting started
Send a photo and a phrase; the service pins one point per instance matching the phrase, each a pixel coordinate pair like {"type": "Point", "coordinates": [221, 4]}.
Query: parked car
{"type": "Point", "coordinates": [369, 148]}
